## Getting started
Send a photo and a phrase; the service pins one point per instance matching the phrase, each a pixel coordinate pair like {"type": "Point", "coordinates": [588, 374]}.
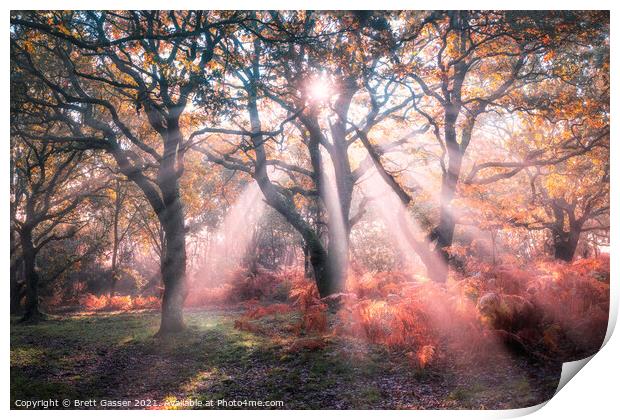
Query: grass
{"type": "Point", "coordinates": [116, 356]}
{"type": "Point", "coordinates": [466, 395]}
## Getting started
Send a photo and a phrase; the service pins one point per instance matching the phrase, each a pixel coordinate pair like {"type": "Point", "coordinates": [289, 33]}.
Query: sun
{"type": "Point", "coordinates": [319, 89]}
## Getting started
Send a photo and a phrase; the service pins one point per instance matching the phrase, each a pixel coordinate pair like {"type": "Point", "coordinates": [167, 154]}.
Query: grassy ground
{"type": "Point", "coordinates": [116, 357]}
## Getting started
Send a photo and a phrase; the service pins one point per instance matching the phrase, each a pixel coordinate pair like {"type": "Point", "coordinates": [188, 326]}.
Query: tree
{"type": "Point", "coordinates": [47, 191]}
{"type": "Point", "coordinates": [303, 87]}
{"type": "Point", "coordinates": [562, 147]}
{"type": "Point", "coordinates": [111, 70]}
{"type": "Point", "coordinates": [463, 65]}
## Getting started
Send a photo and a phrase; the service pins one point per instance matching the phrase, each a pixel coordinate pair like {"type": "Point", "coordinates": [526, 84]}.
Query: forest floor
{"type": "Point", "coordinates": [115, 356]}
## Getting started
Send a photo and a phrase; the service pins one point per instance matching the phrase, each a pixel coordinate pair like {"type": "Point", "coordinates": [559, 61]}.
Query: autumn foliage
{"type": "Point", "coordinates": [239, 285]}
{"type": "Point", "coordinates": [118, 303]}
{"type": "Point", "coordinates": [308, 199]}
{"type": "Point", "coordinates": [546, 310]}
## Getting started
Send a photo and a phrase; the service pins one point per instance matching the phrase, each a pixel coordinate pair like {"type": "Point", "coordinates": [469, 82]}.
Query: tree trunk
{"type": "Point", "coordinates": [113, 270]}
{"type": "Point", "coordinates": [172, 220]}
{"type": "Point", "coordinates": [16, 268]}
{"type": "Point", "coordinates": [337, 262]}
{"type": "Point", "coordinates": [319, 258]}
{"type": "Point", "coordinates": [32, 313]}
{"type": "Point", "coordinates": [115, 244]}
{"type": "Point", "coordinates": [444, 232]}
{"type": "Point", "coordinates": [173, 271]}
{"type": "Point", "coordinates": [325, 271]}
{"type": "Point", "coordinates": [444, 235]}
{"type": "Point", "coordinates": [16, 287]}
{"type": "Point", "coordinates": [306, 250]}
{"type": "Point", "coordinates": [338, 247]}
{"type": "Point", "coordinates": [565, 244]}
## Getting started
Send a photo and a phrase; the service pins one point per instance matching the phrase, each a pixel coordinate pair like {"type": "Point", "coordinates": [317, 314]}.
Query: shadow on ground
{"type": "Point", "coordinates": [116, 357]}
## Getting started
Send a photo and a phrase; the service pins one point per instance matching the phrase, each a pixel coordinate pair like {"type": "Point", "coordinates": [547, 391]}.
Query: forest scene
{"type": "Point", "coordinates": [306, 209]}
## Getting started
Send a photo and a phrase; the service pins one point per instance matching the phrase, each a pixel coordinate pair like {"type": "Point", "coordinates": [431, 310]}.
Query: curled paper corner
{"type": "Point", "coordinates": [613, 315]}
{"type": "Point", "coordinates": [520, 412]}
{"type": "Point", "coordinates": [569, 370]}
